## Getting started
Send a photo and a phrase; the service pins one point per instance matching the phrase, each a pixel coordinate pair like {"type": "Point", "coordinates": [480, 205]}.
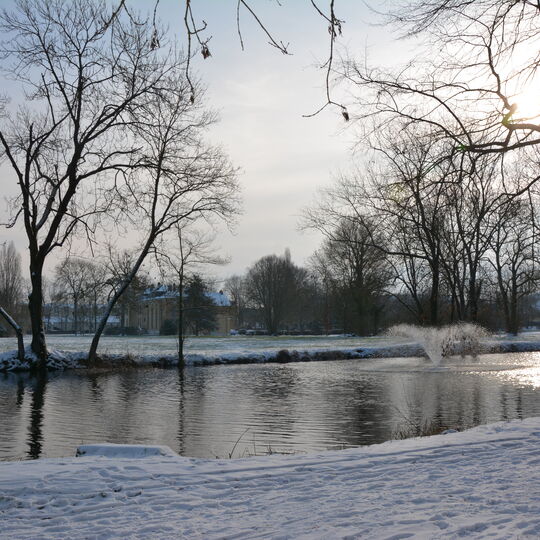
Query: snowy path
{"type": "Point", "coordinates": [483, 483]}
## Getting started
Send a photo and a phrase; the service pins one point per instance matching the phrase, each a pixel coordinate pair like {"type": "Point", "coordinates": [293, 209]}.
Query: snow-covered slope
{"type": "Point", "coordinates": [482, 483]}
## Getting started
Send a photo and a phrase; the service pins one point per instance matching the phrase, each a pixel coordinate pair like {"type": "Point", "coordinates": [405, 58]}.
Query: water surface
{"type": "Point", "coordinates": [216, 411]}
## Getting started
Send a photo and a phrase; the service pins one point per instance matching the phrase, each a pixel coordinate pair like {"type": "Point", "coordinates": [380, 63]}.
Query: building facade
{"type": "Point", "coordinates": [160, 304]}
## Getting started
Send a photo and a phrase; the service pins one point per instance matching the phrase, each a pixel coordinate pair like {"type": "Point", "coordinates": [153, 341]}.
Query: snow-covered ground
{"type": "Point", "coordinates": [69, 350]}
{"type": "Point", "coordinates": [142, 345]}
{"type": "Point", "coordinates": [482, 483]}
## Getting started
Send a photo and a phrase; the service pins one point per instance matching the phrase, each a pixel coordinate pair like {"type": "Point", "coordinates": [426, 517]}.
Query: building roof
{"type": "Point", "coordinates": [163, 292]}
{"type": "Point", "coordinates": [219, 298]}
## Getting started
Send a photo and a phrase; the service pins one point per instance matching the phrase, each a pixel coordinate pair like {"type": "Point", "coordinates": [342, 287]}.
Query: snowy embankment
{"type": "Point", "coordinates": [57, 360]}
{"type": "Point", "coordinates": [381, 349]}
{"type": "Point", "coordinates": [482, 483]}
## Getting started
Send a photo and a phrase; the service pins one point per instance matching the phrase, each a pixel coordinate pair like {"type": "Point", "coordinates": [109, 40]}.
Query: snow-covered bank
{"type": "Point", "coordinates": [70, 359]}
{"type": "Point", "coordinates": [57, 360]}
{"type": "Point", "coordinates": [482, 483]}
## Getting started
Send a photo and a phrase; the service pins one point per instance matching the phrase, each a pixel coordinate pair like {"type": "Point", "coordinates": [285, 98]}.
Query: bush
{"type": "Point", "coordinates": [126, 331]}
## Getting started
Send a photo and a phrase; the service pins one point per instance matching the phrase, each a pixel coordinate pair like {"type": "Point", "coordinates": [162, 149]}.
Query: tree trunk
{"type": "Point", "coordinates": [505, 301]}
{"type": "Point", "coordinates": [103, 322]}
{"type": "Point", "coordinates": [361, 312]}
{"type": "Point", "coordinates": [75, 315]}
{"type": "Point", "coordinates": [117, 295]}
{"type": "Point", "coordinates": [180, 321]}
{"type": "Point", "coordinates": [434, 298]}
{"type": "Point", "coordinates": [95, 312]}
{"type": "Point", "coordinates": [513, 325]}
{"type": "Point", "coordinates": [123, 319]}
{"type": "Point", "coordinates": [326, 311]}
{"type": "Point", "coordinates": [18, 332]}
{"type": "Point", "coordinates": [474, 295]}
{"type": "Point", "coordinates": [35, 306]}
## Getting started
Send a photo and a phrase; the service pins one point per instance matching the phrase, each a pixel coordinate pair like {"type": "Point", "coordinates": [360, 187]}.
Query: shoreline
{"type": "Point", "coordinates": [62, 360]}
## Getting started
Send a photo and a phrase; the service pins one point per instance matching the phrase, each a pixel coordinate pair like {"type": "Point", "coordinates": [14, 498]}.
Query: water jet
{"type": "Point", "coordinates": [443, 341]}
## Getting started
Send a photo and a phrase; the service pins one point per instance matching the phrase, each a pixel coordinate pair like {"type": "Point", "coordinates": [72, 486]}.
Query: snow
{"type": "Point", "coordinates": [110, 450]}
{"type": "Point", "coordinates": [57, 360]}
{"type": "Point", "coordinates": [70, 351]}
{"type": "Point", "coordinates": [149, 344]}
{"type": "Point", "coordinates": [219, 298]}
{"type": "Point", "coordinates": [482, 483]}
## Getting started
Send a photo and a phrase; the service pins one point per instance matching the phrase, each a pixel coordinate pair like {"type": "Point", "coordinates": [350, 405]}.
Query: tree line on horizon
{"type": "Point", "coordinates": [349, 285]}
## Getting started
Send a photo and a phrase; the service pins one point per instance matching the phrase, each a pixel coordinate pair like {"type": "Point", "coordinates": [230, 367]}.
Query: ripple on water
{"type": "Point", "coordinates": [296, 407]}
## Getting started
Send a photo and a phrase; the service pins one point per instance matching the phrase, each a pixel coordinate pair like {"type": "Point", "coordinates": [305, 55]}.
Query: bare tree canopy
{"type": "Point", "coordinates": [74, 278]}
{"type": "Point", "coordinates": [273, 284]}
{"type": "Point", "coordinates": [442, 219]}
{"type": "Point", "coordinates": [475, 80]}
{"type": "Point", "coordinates": [107, 118]}
{"type": "Point", "coordinates": [179, 179]}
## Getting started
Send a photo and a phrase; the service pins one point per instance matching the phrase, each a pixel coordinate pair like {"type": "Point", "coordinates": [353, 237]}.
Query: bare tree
{"type": "Point", "coordinates": [412, 281]}
{"type": "Point", "coordinates": [236, 287]}
{"type": "Point", "coordinates": [272, 283]}
{"type": "Point", "coordinates": [119, 265]}
{"type": "Point", "coordinates": [322, 273]}
{"type": "Point", "coordinates": [97, 282]}
{"type": "Point", "coordinates": [470, 83]}
{"type": "Point", "coordinates": [187, 250]}
{"type": "Point", "coordinates": [353, 261]}
{"type": "Point", "coordinates": [86, 67]}
{"type": "Point", "coordinates": [434, 208]}
{"type": "Point", "coordinates": [180, 180]}
{"type": "Point", "coordinates": [11, 281]}
{"type": "Point", "coordinates": [11, 292]}
{"type": "Point", "coordinates": [514, 258]}
{"type": "Point", "coordinates": [74, 275]}
{"type": "Point", "coordinates": [403, 194]}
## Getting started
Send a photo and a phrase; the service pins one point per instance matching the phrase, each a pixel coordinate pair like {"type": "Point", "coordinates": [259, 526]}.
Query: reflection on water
{"type": "Point", "coordinates": [284, 407]}
{"type": "Point", "coordinates": [35, 435]}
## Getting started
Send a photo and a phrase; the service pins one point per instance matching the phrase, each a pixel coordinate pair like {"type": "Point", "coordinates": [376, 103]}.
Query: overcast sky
{"type": "Point", "coordinates": [260, 96]}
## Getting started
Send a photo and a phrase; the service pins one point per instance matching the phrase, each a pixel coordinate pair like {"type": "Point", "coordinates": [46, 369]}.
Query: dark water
{"type": "Point", "coordinates": [273, 407]}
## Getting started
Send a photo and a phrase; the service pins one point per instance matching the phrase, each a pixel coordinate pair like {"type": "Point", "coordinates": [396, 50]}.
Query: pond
{"type": "Point", "coordinates": [240, 410]}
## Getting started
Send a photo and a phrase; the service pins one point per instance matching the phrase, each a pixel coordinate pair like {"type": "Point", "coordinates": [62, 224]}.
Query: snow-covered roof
{"type": "Point", "coordinates": [219, 298]}
{"type": "Point", "coordinates": [161, 293]}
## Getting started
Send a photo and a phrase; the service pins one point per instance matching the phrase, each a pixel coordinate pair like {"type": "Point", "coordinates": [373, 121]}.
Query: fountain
{"type": "Point", "coordinates": [441, 342]}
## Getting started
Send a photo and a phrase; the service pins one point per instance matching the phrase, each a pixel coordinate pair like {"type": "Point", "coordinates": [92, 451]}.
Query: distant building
{"type": "Point", "coordinates": [59, 318]}
{"type": "Point", "coordinates": [160, 304]}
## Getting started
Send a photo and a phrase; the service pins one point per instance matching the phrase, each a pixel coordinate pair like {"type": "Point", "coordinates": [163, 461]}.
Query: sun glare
{"type": "Point", "coordinates": [528, 105]}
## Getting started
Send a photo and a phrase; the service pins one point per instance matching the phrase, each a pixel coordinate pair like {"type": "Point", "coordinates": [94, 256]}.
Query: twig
{"type": "Point", "coordinates": [334, 29]}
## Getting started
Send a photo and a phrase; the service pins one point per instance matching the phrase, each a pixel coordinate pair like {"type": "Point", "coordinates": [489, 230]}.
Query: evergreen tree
{"type": "Point", "coordinates": [199, 313]}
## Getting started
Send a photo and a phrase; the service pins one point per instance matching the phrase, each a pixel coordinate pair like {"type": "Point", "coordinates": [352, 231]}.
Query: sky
{"type": "Point", "coordinates": [260, 96]}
